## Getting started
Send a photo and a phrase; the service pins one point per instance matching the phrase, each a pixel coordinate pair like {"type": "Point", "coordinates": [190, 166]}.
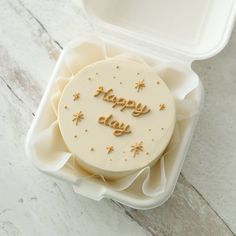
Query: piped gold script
{"type": "Point", "coordinates": [119, 128]}
{"type": "Point", "coordinates": [138, 108]}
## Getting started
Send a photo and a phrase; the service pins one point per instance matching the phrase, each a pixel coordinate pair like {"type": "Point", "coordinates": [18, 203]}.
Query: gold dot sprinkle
{"type": "Point", "coordinates": [120, 82]}
{"type": "Point", "coordinates": [110, 159]}
{"type": "Point", "coordinates": [96, 73]}
{"type": "Point", "coordinates": [65, 107]}
{"type": "Point", "coordinates": [149, 129]}
{"type": "Point", "coordinates": [89, 78]}
{"type": "Point", "coordinates": [75, 136]}
{"type": "Point", "coordinates": [76, 96]}
{"type": "Point", "coordinates": [114, 77]}
{"type": "Point", "coordinates": [153, 139]}
{"type": "Point", "coordinates": [109, 149]}
{"type": "Point", "coordinates": [138, 73]}
{"type": "Point", "coordinates": [147, 153]}
{"type": "Point", "coordinates": [139, 85]}
{"type": "Point", "coordinates": [125, 159]}
{"type": "Point", "coordinates": [117, 67]}
{"type": "Point", "coordinates": [78, 116]}
{"type": "Point", "coordinates": [137, 148]}
{"type": "Point", "coordinates": [162, 128]}
{"type": "Point", "coordinates": [91, 149]}
{"type": "Point", "coordinates": [162, 107]}
{"type": "Point", "coordinates": [86, 130]}
{"type": "Point", "coordinates": [158, 82]}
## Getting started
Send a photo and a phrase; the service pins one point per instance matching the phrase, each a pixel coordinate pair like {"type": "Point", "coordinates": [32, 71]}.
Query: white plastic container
{"type": "Point", "coordinates": [158, 30]}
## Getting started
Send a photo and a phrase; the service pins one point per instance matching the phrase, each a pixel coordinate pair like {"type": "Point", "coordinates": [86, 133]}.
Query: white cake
{"type": "Point", "coordinates": [116, 117]}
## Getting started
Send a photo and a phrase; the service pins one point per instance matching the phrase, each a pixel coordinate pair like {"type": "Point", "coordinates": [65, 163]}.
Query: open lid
{"type": "Point", "coordinates": [193, 29]}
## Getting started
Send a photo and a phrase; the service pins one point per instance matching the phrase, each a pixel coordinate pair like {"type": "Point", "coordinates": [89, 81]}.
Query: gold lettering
{"type": "Point", "coordinates": [111, 98]}
{"type": "Point", "coordinates": [129, 104]}
{"type": "Point", "coordinates": [119, 128]}
{"type": "Point", "coordinates": [106, 95]}
{"type": "Point", "coordinates": [106, 122]}
{"type": "Point", "coordinates": [99, 91]}
{"type": "Point", "coordinates": [138, 109]}
{"type": "Point", "coordinates": [119, 132]}
{"type": "Point", "coordinates": [101, 120]}
{"type": "Point", "coordinates": [120, 102]}
{"type": "Point", "coordinates": [115, 124]}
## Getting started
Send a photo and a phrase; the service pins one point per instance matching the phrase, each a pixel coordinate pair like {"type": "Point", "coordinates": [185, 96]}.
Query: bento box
{"type": "Point", "coordinates": [168, 36]}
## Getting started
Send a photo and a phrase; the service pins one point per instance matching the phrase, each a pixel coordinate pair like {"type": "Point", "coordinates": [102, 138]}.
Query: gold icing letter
{"type": "Point", "coordinates": [138, 109]}
{"type": "Point", "coordinates": [119, 128]}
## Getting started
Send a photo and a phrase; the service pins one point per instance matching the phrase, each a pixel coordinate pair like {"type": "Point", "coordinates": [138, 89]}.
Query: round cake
{"type": "Point", "coordinates": [116, 117]}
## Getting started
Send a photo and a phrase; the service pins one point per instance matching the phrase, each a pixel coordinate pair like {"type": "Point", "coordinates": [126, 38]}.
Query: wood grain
{"type": "Point", "coordinates": [35, 204]}
{"type": "Point", "coordinates": [211, 162]}
{"type": "Point", "coordinates": [185, 213]}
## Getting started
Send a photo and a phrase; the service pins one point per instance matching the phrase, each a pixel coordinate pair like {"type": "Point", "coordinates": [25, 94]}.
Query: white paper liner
{"type": "Point", "coordinates": [49, 151]}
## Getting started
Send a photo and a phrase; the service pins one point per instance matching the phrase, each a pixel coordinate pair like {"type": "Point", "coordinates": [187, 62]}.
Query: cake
{"type": "Point", "coordinates": [116, 117]}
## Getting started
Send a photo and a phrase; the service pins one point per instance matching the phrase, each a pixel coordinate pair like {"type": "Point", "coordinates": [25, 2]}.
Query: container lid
{"type": "Point", "coordinates": [193, 29]}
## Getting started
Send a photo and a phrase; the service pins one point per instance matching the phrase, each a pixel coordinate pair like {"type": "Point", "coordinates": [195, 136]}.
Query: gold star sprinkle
{"type": "Point", "coordinates": [139, 85]}
{"type": "Point", "coordinates": [78, 116]}
{"type": "Point", "coordinates": [137, 148]}
{"type": "Point", "coordinates": [109, 149]}
{"type": "Point", "coordinates": [162, 107]}
{"type": "Point", "coordinates": [76, 96]}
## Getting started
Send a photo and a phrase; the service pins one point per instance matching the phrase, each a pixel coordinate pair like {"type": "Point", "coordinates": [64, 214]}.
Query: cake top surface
{"type": "Point", "coordinates": [116, 115]}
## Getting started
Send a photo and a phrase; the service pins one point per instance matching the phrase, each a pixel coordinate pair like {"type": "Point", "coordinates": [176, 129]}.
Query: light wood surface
{"type": "Point", "coordinates": [32, 34]}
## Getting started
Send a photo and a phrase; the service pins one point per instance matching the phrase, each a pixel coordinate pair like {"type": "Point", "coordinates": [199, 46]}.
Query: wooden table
{"type": "Point", "coordinates": [32, 34]}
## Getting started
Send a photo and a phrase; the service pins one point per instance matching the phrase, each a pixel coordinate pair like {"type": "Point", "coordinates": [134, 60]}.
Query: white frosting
{"type": "Point", "coordinates": [89, 139]}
